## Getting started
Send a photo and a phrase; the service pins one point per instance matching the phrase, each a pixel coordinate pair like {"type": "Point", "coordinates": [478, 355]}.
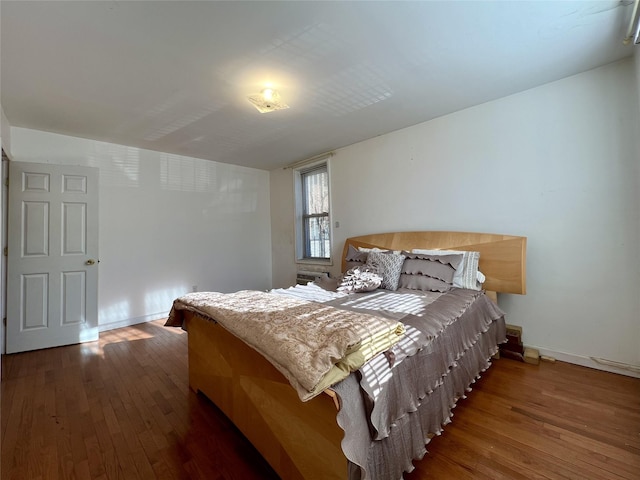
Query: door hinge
{"type": "Point", "coordinates": [5, 251]}
{"type": "Point", "coordinates": [6, 182]}
{"type": "Point", "coordinates": [4, 321]}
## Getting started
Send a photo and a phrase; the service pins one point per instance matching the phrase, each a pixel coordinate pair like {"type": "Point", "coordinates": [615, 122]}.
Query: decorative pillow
{"type": "Point", "coordinates": [326, 282]}
{"type": "Point", "coordinates": [423, 283]}
{"type": "Point", "coordinates": [389, 266]}
{"type": "Point", "coordinates": [466, 275]}
{"type": "Point", "coordinates": [442, 267]}
{"type": "Point", "coordinates": [359, 279]}
{"type": "Point", "coordinates": [355, 258]}
{"type": "Point", "coordinates": [429, 272]}
{"type": "Point", "coordinates": [355, 255]}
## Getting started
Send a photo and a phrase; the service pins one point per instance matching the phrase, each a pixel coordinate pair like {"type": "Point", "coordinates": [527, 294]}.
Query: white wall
{"type": "Point", "coordinates": [557, 164]}
{"type": "Point", "coordinates": [637, 65]}
{"type": "Point", "coordinates": [166, 223]}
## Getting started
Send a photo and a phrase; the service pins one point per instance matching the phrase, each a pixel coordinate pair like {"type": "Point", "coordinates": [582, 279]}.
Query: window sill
{"type": "Point", "coordinates": [313, 261]}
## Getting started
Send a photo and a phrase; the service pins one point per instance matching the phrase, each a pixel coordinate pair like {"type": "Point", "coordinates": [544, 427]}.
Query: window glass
{"type": "Point", "coordinates": [315, 212]}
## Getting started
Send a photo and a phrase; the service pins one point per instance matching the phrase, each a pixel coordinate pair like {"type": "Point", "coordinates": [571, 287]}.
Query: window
{"type": "Point", "coordinates": [313, 225]}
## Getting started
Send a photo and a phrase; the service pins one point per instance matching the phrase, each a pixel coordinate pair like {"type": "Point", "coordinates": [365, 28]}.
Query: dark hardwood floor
{"type": "Point", "coordinates": [121, 408]}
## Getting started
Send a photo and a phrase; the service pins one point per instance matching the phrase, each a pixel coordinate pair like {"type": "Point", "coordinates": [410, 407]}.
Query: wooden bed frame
{"type": "Point", "coordinates": [301, 440]}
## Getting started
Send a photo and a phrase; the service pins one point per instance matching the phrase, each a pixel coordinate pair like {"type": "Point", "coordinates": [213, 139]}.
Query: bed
{"type": "Point", "coordinates": [342, 432]}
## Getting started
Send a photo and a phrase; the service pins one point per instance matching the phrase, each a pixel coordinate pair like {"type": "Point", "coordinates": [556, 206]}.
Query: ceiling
{"type": "Point", "coordinates": [175, 76]}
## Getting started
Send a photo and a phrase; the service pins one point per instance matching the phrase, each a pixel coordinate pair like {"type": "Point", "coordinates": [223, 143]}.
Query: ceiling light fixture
{"type": "Point", "coordinates": [268, 101]}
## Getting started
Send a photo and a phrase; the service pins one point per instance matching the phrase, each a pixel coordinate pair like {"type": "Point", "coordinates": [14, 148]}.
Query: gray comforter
{"type": "Point", "coordinates": [393, 406]}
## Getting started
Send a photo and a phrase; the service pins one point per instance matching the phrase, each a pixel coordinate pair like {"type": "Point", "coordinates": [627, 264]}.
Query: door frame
{"type": "Point", "coordinates": [4, 212]}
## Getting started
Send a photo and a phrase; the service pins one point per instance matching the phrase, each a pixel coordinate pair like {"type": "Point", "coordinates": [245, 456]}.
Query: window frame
{"type": "Point", "coordinates": [301, 235]}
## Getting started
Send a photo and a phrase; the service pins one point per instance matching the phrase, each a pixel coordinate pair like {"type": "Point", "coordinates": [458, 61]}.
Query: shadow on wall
{"type": "Point", "coordinates": [230, 189]}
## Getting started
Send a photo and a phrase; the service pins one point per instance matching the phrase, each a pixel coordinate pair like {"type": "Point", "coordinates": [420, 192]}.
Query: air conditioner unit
{"type": "Point", "coordinates": [304, 277]}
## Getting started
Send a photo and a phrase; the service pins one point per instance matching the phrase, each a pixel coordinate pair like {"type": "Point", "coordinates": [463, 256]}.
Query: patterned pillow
{"type": "Point", "coordinates": [359, 279]}
{"type": "Point", "coordinates": [389, 266]}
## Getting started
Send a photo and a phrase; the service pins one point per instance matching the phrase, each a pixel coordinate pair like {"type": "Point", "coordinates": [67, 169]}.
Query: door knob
{"type": "Point", "coordinates": [91, 261]}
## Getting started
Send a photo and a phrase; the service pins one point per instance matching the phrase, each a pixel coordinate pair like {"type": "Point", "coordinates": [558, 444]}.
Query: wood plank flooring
{"type": "Point", "coordinates": [121, 408]}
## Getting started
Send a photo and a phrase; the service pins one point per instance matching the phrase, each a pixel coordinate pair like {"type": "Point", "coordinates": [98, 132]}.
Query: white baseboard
{"type": "Point", "coordinates": [132, 321]}
{"type": "Point", "coordinates": [592, 362]}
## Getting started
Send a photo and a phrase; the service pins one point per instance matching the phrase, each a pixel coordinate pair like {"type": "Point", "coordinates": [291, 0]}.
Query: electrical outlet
{"type": "Point", "coordinates": [194, 288]}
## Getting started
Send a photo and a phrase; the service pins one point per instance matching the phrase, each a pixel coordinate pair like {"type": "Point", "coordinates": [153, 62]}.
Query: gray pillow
{"type": "Point", "coordinates": [429, 272]}
{"type": "Point", "coordinates": [423, 283]}
{"type": "Point", "coordinates": [326, 282]}
{"type": "Point", "coordinates": [442, 267]}
{"type": "Point", "coordinates": [355, 255]}
{"type": "Point", "coordinates": [389, 266]}
{"type": "Point", "coordinates": [466, 275]}
{"type": "Point", "coordinates": [354, 258]}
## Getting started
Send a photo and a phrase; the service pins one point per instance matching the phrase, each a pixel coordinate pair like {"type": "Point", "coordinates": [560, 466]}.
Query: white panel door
{"type": "Point", "coordinates": [52, 265]}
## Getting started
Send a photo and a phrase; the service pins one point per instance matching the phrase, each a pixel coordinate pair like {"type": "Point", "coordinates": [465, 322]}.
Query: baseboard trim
{"type": "Point", "coordinates": [592, 362]}
{"type": "Point", "coordinates": [132, 321]}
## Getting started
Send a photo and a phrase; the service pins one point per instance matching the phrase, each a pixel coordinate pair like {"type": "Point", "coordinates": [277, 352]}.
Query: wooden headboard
{"type": "Point", "coordinates": [502, 257]}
